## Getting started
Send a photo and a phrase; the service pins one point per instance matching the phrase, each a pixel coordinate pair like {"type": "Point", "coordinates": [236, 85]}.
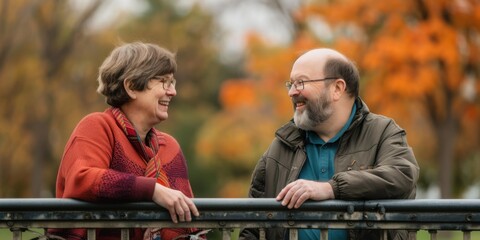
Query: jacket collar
{"type": "Point", "coordinates": [362, 112]}
{"type": "Point", "coordinates": [291, 135]}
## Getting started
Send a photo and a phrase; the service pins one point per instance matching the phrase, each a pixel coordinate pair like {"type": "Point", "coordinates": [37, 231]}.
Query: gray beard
{"type": "Point", "coordinates": [315, 113]}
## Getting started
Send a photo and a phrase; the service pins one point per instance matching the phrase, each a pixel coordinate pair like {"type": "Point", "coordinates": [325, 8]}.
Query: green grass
{"type": "Point", "coordinates": [446, 235]}
{"type": "Point", "coordinates": [5, 234]}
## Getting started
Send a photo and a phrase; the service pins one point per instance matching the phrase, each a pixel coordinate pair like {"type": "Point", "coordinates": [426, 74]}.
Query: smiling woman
{"type": "Point", "coordinates": [118, 155]}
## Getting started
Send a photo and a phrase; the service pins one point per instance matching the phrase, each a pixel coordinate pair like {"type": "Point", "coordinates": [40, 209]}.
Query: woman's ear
{"type": "Point", "coordinates": [127, 85]}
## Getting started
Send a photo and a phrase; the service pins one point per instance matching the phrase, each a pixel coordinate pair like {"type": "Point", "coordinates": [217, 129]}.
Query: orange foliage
{"type": "Point", "coordinates": [251, 107]}
{"type": "Point", "coordinates": [236, 138]}
{"type": "Point", "coordinates": [364, 13]}
{"type": "Point", "coordinates": [238, 93]}
{"type": "Point", "coordinates": [414, 57]}
{"type": "Point", "coordinates": [409, 53]}
{"type": "Point", "coordinates": [272, 65]}
{"type": "Point", "coordinates": [475, 17]}
{"type": "Point", "coordinates": [236, 188]}
{"type": "Point", "coordinates": [352, 48]}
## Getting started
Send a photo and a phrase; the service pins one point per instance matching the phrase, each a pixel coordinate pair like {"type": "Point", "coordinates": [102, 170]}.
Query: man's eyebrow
{"type": "Point", "coordinates": [299, 77]}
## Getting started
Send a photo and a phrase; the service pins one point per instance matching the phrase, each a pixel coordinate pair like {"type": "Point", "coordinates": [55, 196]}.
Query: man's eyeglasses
{"type": "Point", "coordinates": [167, 82]}
{"type": "Point", "coordinates": [300, 84]}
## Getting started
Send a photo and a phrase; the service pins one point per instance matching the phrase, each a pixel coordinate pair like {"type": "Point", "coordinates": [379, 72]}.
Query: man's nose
{"type": "Point", "coordinates": [293, 91]}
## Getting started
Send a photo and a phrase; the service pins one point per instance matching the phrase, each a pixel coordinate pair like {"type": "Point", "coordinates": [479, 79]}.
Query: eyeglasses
{"type": "Point", "coordinates": [300, 84]}
{"type": "Point", "coordinates": [167, 82]}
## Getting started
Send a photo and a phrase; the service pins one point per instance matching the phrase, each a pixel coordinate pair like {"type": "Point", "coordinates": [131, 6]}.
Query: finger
{"type": "Point", "coordinates": [293, 199]}
{"type": "Point", "coordinates": [186, 209]}
{"type": "Point", "coordinates": [299, 191]}
{"type": "Point", "coordinates": [284, 191]}
{"type": "Point", "coordinates": [180, 212]}
{"type": "Point", "coordinates": [193, 208]}
{"type": "Point", "coordinates": [281, 195]}
{"type": "Point", "coordinates": [173, 215]}
{"type": "Point", "coordinates": [287, 200]}
{"type": "Point", "coordinates": [301, 200]}
{"type": "Point", "coordinates": [188, 216]}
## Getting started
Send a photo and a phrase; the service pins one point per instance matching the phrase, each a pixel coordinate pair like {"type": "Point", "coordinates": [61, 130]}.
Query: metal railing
{"type": "Point", "coordinates": [233, 213]}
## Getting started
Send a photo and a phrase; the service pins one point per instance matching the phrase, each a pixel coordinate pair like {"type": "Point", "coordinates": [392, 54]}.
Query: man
{"type": "Point", "coordinates": [334, 148]}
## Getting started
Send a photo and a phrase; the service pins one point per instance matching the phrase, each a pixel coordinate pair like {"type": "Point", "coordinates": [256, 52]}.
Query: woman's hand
{"type": "Point", "coordinates": [175, 202]}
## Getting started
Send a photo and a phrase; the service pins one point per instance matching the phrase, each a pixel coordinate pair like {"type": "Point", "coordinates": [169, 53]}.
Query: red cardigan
{"type": "Point", "coordinates": [99, 164]}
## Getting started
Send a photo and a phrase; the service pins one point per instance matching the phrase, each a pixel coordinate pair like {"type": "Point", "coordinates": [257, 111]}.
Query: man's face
{"type": "Point", "coordinates": [313, 106]}
{"type": "Point", "coordinates": [312, 101]}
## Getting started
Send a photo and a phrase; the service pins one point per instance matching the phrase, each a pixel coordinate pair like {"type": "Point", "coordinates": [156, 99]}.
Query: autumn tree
{"type": "Point", "coordinates": [233, 139]}
{"type": "Point", "coordinates": [419, 65]}
{"type": "Point", "coordinates": [253, 104]}
{"type": "Point", "coordinates": [38, 39]}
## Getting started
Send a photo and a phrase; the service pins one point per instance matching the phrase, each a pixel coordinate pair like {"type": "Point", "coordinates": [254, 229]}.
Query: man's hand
{"type": "Point", "coordinates": [296, 193]}
{"type": "Point", "coordinates": [175, 202]}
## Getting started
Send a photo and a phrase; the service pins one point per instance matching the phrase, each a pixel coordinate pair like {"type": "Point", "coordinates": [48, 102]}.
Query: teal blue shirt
{"type": "Point", "coordinates": [319, 166]}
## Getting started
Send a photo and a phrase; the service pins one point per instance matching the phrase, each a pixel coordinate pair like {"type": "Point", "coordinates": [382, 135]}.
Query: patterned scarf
{"type": "Point", "coordinates": [149, 152]}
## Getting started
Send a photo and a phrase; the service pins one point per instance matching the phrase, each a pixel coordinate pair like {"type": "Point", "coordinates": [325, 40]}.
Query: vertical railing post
{"type": "Point", "coordinates": [91, 234]}
{"type": "Point", "coordinates": [384, 234]}
{"type": "Point", "coordinates": [262, 235]}
{"type": "Point", "coordinates": [466, 235]}
{"type": "Point", "coordinates": [17, 233]}
{"type": "Point", "coordinates": [433, 234]}
{"type": "Point", "coordinates": [293, 234]}
{"type": "Point", "coordinates": [226, 234]}
{"type": "Point", "coordinates": [125, 234]}
{"type": "Point", "coordinates": [324, 234]}
{"type": "Point", "coordinates": [412, 234]}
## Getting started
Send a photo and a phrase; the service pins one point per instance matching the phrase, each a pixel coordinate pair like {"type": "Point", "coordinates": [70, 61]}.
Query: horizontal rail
{"type": "Point", "coordinates": [244, 212]}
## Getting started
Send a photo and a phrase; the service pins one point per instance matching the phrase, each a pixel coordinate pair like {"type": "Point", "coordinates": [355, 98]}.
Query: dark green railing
{"type": "Point", "coordinates": [233, 213]}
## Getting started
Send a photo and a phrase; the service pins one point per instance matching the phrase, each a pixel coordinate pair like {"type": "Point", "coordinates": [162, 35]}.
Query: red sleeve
{"type": "Point", "coordinates": [85, 172]}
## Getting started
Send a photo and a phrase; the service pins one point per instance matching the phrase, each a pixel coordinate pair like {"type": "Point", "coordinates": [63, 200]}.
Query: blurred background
{"type": "Point", "coordinates": [419, 61]}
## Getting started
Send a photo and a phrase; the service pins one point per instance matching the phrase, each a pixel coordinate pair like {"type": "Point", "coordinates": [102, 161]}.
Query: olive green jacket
{"type": "Point", "coordinates": [373, 161]}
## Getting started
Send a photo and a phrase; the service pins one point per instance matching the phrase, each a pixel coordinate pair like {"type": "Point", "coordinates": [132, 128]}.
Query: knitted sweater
{"type": "Point", "coordinates": [101, 165]}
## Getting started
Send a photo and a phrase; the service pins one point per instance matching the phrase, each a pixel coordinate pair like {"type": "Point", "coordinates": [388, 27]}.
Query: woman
{"type": "Point", "coordinates": [118, 155]}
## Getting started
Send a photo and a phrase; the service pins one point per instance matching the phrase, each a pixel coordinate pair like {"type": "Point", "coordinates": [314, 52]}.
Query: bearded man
{"type": "Point", "coordinates": [334, 148]}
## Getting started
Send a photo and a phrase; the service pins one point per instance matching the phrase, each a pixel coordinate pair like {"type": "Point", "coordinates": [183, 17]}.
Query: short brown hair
{"type": "Point", "coordinates": [345, 69]}
{"type": "Point", "coordinates": [135, 62]}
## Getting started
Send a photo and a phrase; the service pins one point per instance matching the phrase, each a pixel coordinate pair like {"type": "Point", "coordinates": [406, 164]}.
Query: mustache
{"type": "Point", "coordinates": [298, 99]}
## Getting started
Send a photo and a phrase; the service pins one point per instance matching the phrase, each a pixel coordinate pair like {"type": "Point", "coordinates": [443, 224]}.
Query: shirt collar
{"type": "Point", "coordinates": [313, 138]}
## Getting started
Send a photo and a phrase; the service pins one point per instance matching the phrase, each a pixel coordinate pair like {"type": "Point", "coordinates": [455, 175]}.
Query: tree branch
{"type": "Point", "coordinates": [10, 34]}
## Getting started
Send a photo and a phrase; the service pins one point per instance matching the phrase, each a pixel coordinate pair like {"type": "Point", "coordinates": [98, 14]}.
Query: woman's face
{"type": "Point", "coordinates": [152, 103]}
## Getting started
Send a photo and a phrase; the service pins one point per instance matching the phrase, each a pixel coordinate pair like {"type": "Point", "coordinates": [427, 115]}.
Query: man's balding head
{"type": "Point", "coordinates": [322, 53]}
{"type": "Point", "coordinates": [325, 63]}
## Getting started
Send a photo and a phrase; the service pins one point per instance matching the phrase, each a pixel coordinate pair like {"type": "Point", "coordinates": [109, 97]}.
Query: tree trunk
{"type": "Point", "coordinates": [41, 156]}
{"type": "Point", "coordinates": [446, 136]}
